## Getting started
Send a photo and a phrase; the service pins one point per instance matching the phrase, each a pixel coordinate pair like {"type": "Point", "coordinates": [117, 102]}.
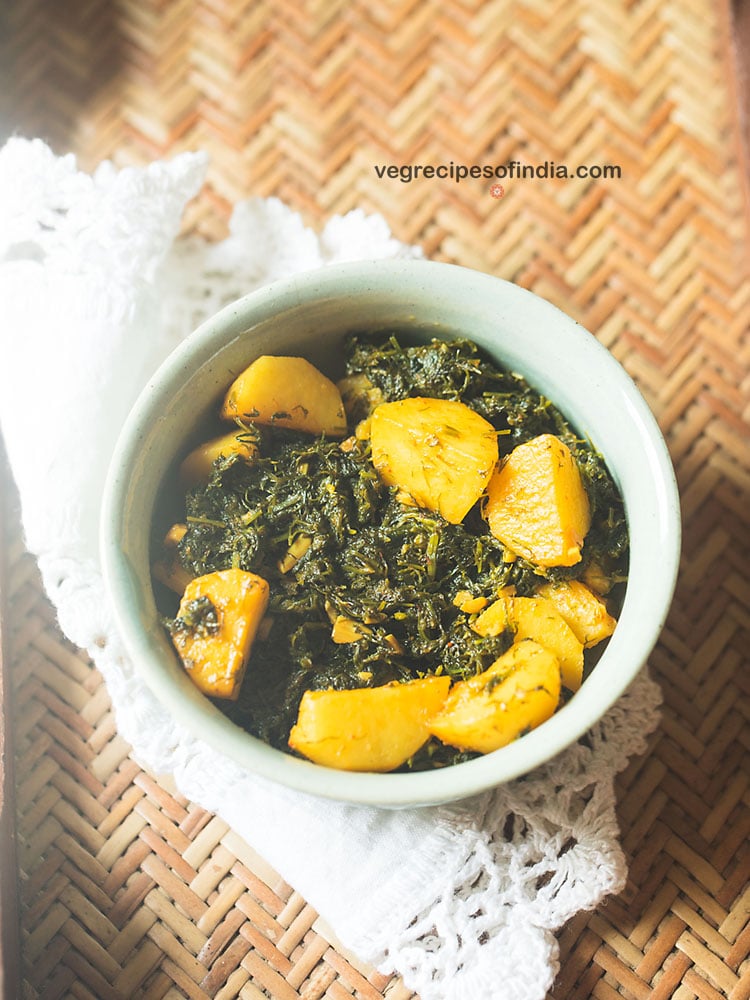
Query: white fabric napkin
{"type": "Point", "coordinates": [95, 289]}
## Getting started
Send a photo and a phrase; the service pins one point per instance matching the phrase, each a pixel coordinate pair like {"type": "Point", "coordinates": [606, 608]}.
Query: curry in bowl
{"type": "Point", "coordinates": [399, 571]}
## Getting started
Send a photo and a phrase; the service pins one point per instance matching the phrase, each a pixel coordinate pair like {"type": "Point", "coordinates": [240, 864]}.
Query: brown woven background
{"type": "Point", "coordinates": [128, 891]}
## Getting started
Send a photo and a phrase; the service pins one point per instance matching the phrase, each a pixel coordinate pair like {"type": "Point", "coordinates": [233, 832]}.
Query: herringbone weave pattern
{"type": "Point", "coordinates": [131, 893]}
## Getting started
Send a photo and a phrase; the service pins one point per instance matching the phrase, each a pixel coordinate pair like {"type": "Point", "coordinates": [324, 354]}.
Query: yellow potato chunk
{"type": "Point", "coordinates": [596, 578]}
{"type": "Point", "coordinates": [222, 612]}
{"type": "Point", "coordinates": [196, 467]}
{"type": "Point", "coordinates": [584, 612]}
{"type": "Point", "coordinates": [360, 397]}
{"type": "Point", "coordinates": [168, 569]}
{"type": "Point", "coordinates": [468, 603]}
{"type": "Point", "coordinates": [537, 618]}
{"type": "Point", "coordinates": [439, 452]}
{"type": "Point", "coordinates": [286, 392]}
{"type": "Point", "coordinates": [518, 692]}
{"type": "Point", "coordinates": [537, 504]}
{"type": "Point", "coordinates": [369, 729]}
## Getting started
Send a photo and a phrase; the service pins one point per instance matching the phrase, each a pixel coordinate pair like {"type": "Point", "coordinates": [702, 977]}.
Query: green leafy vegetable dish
{"type": "Point", "coordinates": [401, 570]}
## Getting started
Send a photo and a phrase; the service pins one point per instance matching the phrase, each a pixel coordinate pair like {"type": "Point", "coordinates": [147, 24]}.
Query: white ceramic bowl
{"type": "Point", "coordinates": [309, 315]}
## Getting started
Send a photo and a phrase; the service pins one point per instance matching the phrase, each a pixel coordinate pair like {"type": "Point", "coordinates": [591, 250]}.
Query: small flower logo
{"type": "Point", "coordinates": [497, 190]}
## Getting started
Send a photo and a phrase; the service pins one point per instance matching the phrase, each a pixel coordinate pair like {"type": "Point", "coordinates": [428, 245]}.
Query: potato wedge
{"type": "Point", "coordinates": [596, 578]}
{"type": "Point", "coordinates": [221, 613]}
{"type": "Point", "coordinates": [537, 618]}
{"type": "Point", "coordinates": [286, 392]}
{"type": "Point", "coordinates": [537, 504]}
{"type": "Point", "coordinates": [168, 569]}
{"type": "Point", "coordinates": [518, 692]}
{"type": "Point", "coordinates": [584, 611]}
{"type": "Point", "coordinates": [368, 729]}
{"type": "Point", "coordinates": [359, 396]}
{"type": "Point", "coordinates": [198, 464]}
{"type": "Point", "coordinates": [439, 452]}
{"type": "Point", "coordinates": [468, 603]}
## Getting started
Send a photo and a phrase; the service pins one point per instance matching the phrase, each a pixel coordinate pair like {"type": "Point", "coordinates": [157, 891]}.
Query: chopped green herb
{"type": "Point", "coordinates": [198, 616]}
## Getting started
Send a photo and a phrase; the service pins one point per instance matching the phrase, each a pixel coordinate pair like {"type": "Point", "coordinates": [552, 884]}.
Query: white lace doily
{"type": "Point", "coordinates": [95, 289]}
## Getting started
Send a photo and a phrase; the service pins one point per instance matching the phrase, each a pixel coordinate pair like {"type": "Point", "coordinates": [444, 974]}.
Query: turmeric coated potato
{"type": "Point", "coordinates": [216, 624]}
{"type": "Point", "coordinates": [367, 729]}
{"type": "Point", "coordinates": [360, 397]}
{"type": "Point", "coordinates": [286, 392]}
{"type": "Point", "coordinates": [168, 569]}
{"type": "Point", "coordinates": [196, 467]}
{"type": "Point", "coordinates": [584, 611]}
{"type": "Point", "coordinates": [537, 618]}
{"type": "Point", "coordinates": [518, 692]}
{"type": "Point", "coordinates": [596, 578]}
{"type": "Point", "coordinates": [439, 452]}
{"type": "Point", "coordinates": [537, 504]}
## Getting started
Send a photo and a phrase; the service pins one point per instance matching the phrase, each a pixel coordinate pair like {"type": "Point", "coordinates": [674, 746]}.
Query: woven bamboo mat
{"type": "Point", "coordinates": [128, 891]}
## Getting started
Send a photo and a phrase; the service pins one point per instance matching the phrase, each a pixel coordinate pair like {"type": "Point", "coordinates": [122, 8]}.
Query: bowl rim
{"type": "Point", "coordinates": [391, 789]}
